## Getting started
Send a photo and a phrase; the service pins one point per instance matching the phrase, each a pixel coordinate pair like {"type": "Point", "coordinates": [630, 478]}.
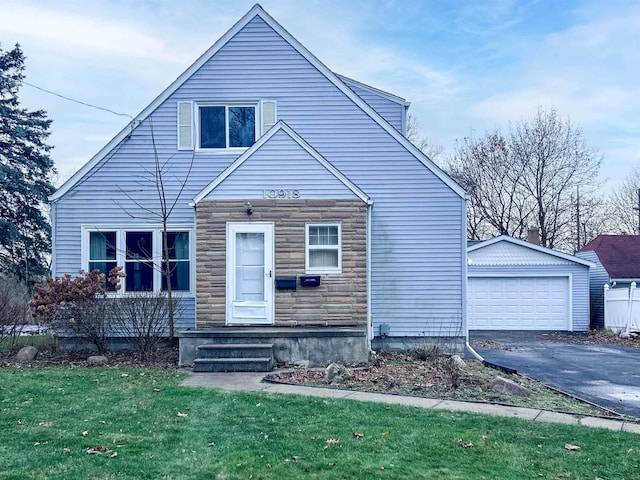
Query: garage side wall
{"type": "Point", "coordinates": [578, 284]}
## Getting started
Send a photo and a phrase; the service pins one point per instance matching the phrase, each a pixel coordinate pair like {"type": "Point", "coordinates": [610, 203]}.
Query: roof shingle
{"type": "Point", "coordinates": [619, 254]}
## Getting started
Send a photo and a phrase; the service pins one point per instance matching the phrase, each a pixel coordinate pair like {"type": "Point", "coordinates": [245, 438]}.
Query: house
{"type": "Point", "coordinates": [304, 219]}
{"type": "Point", "coordinates": [518, 285]}
{"type": "Point", "coordinates": [617, 263]}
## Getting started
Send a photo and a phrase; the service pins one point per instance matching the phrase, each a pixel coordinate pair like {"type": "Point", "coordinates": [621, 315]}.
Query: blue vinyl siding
{"type": "Point", "coordinates": [579, 284]}
{"type": "Point", "coordinates": [392, 111]}
{"type": "Point", "coordinates": [281, 164]}
{"type": "Point", "coordinates": [598, 277]}
{"type": "Point", "coordinates": [418, 222]}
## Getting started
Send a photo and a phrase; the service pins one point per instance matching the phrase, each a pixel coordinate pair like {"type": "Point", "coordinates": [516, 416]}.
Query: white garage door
{"type": "Point", "coordinates": [518, 303]}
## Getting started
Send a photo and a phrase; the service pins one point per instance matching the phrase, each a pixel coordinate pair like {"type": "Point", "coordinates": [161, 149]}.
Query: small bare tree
{"type": "Point", "coordinates": [14, 308]}
{"type": "Point", "coordinates": [161, 213]}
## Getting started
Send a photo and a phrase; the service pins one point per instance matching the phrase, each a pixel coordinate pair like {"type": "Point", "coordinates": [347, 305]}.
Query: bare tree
{"type": "Point", "coordinates": [554, 159]}
{"type": "Point", "coordinates": [424, 145]}
{"type": "Point", "coordinates": [529, 178]}
{"type": "Point", "coordinates": [623, 203]}
{"type": "Point", "coordinates": [161, 212]}
{"type": "Point", "coordinates": [498, 203]}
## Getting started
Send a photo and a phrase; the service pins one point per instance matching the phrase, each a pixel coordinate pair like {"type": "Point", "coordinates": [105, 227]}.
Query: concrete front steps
{"type": "Point", "coordinates": [234, 357]}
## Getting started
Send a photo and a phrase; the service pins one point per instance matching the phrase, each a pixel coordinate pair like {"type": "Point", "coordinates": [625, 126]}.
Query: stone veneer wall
{"type": "Point", "coordinates": [340, 300]}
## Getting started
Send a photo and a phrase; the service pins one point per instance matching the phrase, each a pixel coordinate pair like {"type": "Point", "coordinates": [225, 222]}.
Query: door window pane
{"type": "Point", "coordinates": [249, 266]}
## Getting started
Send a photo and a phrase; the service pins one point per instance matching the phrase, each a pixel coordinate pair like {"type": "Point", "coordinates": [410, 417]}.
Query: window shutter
{"type": "Point", "coordinates": [268, 115]}
{"type": "Point", "coordinates": [185, 126]}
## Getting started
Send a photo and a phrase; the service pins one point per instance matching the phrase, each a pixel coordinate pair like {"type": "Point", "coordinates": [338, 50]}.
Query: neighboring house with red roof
{"type": "Point", "coordinates": [617, 260]}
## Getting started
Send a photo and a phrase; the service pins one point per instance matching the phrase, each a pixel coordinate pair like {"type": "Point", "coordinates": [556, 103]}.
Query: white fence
{"type": "Point", "coordinates": [622, 308]}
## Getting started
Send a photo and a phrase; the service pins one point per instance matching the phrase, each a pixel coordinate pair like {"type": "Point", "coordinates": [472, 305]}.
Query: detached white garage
{"type": "Point", "coordinates": [516, 285]}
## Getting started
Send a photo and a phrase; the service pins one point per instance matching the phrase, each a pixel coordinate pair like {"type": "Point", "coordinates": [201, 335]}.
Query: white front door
{"type": "Point", "coordinates": [250, 276]}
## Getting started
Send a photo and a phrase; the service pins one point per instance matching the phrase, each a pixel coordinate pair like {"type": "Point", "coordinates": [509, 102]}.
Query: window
{"type": "Point", "coordinates": [227, 126]}
{"type": "Point", "coordinates": [324, 248]}
{"type": "Point", "coordinates": [139, 252]}
{"type": "Point", "coordinates": [217, 126]}
{"type": "Point", "coordinates": [139, 262]}
{"type": "Point", "coordinates": [178, 243]}
{"type": "Point", "coordinates": [102, 254]}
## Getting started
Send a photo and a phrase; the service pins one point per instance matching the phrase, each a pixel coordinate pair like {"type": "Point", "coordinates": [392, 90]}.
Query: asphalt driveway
{"type": "Point", "coordinates": [603, 374]}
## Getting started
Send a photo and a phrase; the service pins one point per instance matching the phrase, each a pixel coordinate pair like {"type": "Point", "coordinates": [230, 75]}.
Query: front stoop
{"type": "Point", "coordinates": [234, 357]}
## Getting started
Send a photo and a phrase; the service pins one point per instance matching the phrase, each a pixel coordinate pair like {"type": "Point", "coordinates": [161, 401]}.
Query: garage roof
{"type": "Point", "coordinates": [506, 250]}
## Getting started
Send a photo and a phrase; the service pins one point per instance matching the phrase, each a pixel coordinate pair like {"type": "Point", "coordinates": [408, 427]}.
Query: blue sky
{"type": "Point", "coordinates": [467, 67]}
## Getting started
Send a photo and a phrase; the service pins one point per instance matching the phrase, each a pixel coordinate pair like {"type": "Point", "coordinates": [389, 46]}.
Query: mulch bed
{"type": "Point", "coordinates": [166, 357]}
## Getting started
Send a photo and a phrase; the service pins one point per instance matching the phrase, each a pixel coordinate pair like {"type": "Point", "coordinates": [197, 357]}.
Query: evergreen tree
{"type": "Point", "coordinates": [25, 177]}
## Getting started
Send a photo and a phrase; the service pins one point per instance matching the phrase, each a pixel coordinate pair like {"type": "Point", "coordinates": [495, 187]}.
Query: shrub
{"type": "Point", "coordinates": [14, 309]}
{"type": "Point", "coordinates": [144, 318]}
{"type": "Point", "coordinates": [78, 304]}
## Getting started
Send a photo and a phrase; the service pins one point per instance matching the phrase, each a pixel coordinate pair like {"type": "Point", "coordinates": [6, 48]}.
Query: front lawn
{"type": "Point", "coordinates": [114, 423]}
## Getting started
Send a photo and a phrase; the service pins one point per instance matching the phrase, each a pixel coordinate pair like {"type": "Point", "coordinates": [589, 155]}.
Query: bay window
{"type": "Point", "coordinates": [140, 254]}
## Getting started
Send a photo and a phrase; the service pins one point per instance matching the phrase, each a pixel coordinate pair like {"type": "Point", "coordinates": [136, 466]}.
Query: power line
{"type": "Point", "coordinates": [77, 101]}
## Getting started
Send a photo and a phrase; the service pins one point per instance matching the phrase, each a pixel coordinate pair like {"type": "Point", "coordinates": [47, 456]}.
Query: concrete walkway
{"type": "Point", "coordinates": [253, 382]}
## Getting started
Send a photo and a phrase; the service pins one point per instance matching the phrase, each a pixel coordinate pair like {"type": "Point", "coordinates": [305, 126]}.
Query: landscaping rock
{"type": "Point", "coordinates": [458, 362]}
{"type": "Point", "coordinates": [97, 360]}
{"type": "Point", "coordinates": [337, 372]}
{"type": "Point", "coordinates": [503, 385]}
{"type": "Point", "coordinates": [628, 335]}
{"type": "Point", "coordinates": [26, 354]}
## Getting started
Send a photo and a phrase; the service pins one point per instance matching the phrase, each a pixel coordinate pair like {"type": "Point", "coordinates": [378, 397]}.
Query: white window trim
{"type": "Point", "coordinates": [307, 248]}
{"type": "Point", "coordinates": [156, 255]}
{"type": "Point", "coordinates": [196, 118]}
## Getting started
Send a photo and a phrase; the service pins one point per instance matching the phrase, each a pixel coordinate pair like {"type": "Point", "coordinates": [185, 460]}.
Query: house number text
{"type": "Point", "coordinates": [281, 193]}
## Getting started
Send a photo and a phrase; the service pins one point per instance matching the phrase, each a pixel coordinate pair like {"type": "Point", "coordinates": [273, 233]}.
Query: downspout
{"type": "Point", "coordinates": [465, 263]}
{"type": "Point", "coordinates": [54, 224]}
{"type": "Point", "coordinates": [368, 275]}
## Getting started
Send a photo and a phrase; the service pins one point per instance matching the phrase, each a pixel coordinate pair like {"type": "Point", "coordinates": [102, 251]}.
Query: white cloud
{"type": "Point", "coordinates": [115, 37]}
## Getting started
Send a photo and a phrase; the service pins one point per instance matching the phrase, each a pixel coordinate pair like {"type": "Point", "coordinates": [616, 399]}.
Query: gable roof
{"type": "Point", "coordinates": [282, 127]}
{"type": "Point", "coordinates": [525, 253]}
{"type": "Point", "coordinates": [619, 254]}
{"type": "Point", "coordinates": [389, 96]}
{"type": "Point", "coordinates": [258, 11]}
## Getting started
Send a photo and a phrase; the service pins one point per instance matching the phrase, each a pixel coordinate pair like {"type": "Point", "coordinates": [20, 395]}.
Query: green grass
{"type": "Point", "coordinates": [41, 342]}
{"type": "Point", "coordinates": [49, 417]}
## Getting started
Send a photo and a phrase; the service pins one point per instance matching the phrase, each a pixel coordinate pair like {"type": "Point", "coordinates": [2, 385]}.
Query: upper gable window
{"type": "Point", "coordinates": [214, 126]}
{"type": "Point", "coordinates": [226, 126]}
